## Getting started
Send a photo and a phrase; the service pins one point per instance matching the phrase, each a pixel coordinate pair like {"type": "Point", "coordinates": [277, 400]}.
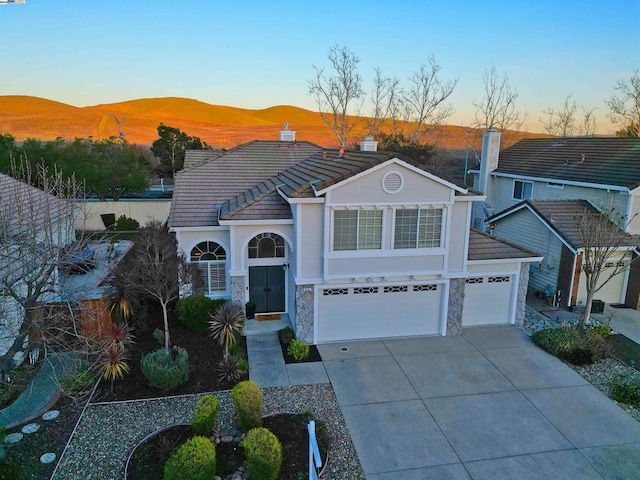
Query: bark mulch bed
{"type": "Point", "coordinates": [204, 355]}
{"type": "Point", "coordinates": [147, 463]}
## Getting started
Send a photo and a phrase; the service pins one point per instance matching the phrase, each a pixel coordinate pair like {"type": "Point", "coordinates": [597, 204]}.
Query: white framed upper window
{"type": "Point", "coordinates": [522, 190]}
{"type": "Point", "coordinates": [357, 230]}
{"type": "Point", "coordinates": [418, 228]}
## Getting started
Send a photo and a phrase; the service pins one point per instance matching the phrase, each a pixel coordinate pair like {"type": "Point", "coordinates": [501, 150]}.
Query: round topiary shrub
{"type": "Point", "coordinates": [194, 311]}
{"type": "Point", "coordinates": [205, 416]}
{"type": "Point", "coordinates": [264, 454]}
{"type": "Point", "coordinates": [247, 399]}
{"type": "Point", "coordinates": [166, 369]}
{"type": "Point", "coordinates": [194, 460]}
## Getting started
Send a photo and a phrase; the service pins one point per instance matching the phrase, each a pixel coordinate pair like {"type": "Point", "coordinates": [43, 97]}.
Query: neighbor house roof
{"type": "Point", "coordinates": [242, 184]}
{"type": "Point", "coordinates": [485, 247]}
{"type": "Point", "coordinates": [193, 158]}
{"type": "Point", "coordinates": [560, 217]}
{"type": "Point", "coordinates": [200, 191]}
{"type": "Point", "coordinates": [613, 161]}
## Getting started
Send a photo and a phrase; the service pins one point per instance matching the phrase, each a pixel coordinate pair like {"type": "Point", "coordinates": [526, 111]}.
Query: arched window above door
{"type": "Point", "coordinates": [267, 245]}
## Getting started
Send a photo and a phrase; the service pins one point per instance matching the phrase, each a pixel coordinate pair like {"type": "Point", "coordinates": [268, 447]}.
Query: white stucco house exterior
{"type": "Point", "coordinates": [347, 246]}
{"type": "Point", "coordinates": [535, 189]}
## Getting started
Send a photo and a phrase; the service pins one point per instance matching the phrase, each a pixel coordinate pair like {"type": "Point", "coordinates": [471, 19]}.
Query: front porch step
{"type": "Point", "coordinates": [256, 327]}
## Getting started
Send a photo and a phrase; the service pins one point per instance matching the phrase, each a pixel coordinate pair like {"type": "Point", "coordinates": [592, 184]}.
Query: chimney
{"type": "Point", "coordinates": [489, 158]}
{"type": "Point", "coordinates": [287, 135]}
{"type": "Point", "coordinates": [369, 144]}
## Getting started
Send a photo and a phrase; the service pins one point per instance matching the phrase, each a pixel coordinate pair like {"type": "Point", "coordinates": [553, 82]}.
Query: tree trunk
{"type": "Point", "coordinates": [167, 343]}
{"type": "Point", "coordinates": [587, 313]}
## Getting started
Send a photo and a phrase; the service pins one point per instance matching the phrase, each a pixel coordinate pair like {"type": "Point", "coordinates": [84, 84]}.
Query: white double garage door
{"type": "Point", "coordinates": [367, 312]}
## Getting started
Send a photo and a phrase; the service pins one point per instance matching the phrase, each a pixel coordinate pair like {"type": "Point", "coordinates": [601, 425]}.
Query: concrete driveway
{"type": "Point", "coordinates": [485, 405]}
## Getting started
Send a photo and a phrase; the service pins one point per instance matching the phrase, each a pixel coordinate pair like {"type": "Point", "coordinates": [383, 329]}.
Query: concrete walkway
{"type": "Point", "coordinates": [487, 405]}
{"type": "Point", "coordinates": [268, 369]}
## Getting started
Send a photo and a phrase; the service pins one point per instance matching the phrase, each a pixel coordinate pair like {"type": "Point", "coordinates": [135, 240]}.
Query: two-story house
{"type": "Point", "coordinates": [346, 245]}
{"type": "Point", "coordinates": [536, 188]}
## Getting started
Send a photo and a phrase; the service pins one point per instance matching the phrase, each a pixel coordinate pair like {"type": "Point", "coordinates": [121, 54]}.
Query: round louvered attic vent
{"type": "Point", "coordinates": [392, 182]}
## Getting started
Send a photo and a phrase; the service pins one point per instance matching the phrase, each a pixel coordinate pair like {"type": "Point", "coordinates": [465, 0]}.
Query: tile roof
{"type": "Point", "coordinates": [193, 158]}
{"type": "Point", "coordinates": [199, 191]}
{"type": "Point", "coordinates": [607, 160]}
{"type": "Point", "coordinates": [485, 247]}
{"type": "Point", "coordinates": [560, 216]}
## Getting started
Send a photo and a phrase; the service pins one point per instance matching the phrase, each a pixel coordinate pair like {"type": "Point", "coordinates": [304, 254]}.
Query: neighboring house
{"type": "Point", "coordinates": [603, 171]}
{"type": "Point", "coordinates": [550, 227]}
{"type": "Point", "coordinates": [360, 245]}
{"type": "Point", "coordinates": [34, 225]}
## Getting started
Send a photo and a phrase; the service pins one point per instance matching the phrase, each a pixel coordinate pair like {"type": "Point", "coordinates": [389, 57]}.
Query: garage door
{"type": "Point", "coordinates": [354, 313]}
{"type": "Point", "coordinates": [487, 300]}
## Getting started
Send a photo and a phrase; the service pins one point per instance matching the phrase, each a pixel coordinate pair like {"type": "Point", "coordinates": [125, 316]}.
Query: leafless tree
{"type": "Point", "coordinates": [562, 122]}
{"type": "Point", "coordinates": [339, 94]}
{"type": "Point", "coordinates": [588, 122]}
{"type": "Point", "coordinates": [604, 243]}
{"type": "Point", "coordinates": [156, 270]}
{"type": "Point", "coordinates": [422, 103]}
{"type": "Point", "coordinates": [384, 100]}
{"type": "Point", "coordinates": [625, 108]}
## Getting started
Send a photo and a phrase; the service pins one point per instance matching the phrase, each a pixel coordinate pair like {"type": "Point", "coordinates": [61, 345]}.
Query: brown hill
{"type": "Point", "coordinates": [220, 126]}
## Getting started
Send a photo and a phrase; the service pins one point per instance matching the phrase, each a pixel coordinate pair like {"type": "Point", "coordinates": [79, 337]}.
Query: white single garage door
{"type": "Point", "coordinates": [487, 300]}
{"type": "Point", "coordinates": [355, 313]}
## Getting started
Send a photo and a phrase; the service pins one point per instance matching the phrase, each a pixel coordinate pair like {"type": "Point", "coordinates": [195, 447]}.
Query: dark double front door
{"type": "Point", "coordinates": [266, 288]}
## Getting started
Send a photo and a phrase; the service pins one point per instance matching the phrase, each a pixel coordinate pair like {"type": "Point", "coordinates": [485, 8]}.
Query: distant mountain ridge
{"type": "Point", "coordinates": [220, 126]}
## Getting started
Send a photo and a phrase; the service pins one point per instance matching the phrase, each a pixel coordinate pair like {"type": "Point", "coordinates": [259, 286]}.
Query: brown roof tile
{"type": "Point", "coordinates": [485, 247]}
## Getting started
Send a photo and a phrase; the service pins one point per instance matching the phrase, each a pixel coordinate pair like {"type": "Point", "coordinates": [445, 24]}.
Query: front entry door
{"type": "Point", "coordinates": [266, 288]}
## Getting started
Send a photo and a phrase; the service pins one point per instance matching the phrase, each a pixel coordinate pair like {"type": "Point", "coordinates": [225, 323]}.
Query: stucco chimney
{"type": "Point", "coordinates": [287, 135]}
{"type": "Point", "coordinates": [489, 158]}
{"type": "Point", "coordinates": [369, 144]}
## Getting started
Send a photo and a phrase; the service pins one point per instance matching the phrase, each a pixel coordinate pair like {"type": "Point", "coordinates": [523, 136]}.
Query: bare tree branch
{"type": "Point", "coordinates": [625, 109]}
{"type": "Point", "coordinates": [339, 95]}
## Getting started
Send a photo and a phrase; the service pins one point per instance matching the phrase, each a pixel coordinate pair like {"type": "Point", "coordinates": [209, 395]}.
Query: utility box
{"type": "Point", "coordinates": [597, 306]}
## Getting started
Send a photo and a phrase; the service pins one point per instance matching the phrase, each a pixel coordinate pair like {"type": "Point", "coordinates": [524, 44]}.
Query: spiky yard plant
{"type": "Point", "coordinates": [225, 324]}
{"type": "Point", "coordinates": [120, 335]}
{"type": "Point", "coordinates": [123, 301]}
{"type": "Point", "coordinates": [114, 363]}
{"type": "Point", "coordinates": [229, 371]}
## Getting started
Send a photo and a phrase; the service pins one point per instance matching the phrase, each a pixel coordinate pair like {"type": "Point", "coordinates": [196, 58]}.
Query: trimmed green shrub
{"type": "Point", "coordinates": [579, 346]}
{"type": "Point", "coordinates": [205, 416]}
{"type": "Point", "coordinates": [247, 399]}
{"type": "Point", "coordinates": [125, 223]}
{"type": "Point", "coordinates": [285, 335]}
{"type": "Point", "coordinates": [166, 370]}
{"type": "Point", "coordinates": [602, 330]}
{"type": "Point", "coordinates": [298, 350]}
{"type": "Point", "coordinates": [194, 460]}
{"type": "Point", "coordinates": [264, 454]}
{"type": "Point", "coordinates": [194, 311]}
{"type": "Point", "coordinates": [626, 391]}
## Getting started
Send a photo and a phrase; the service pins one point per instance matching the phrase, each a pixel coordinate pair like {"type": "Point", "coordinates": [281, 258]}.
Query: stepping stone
{"type": "Point", "coordinates": [51, 414]}
{"type": "Point", "coordinates": [30, 428]}
{"type": "Point", "coordinates": [13, 437]}
{"type": "Point", "coordinates": [48, 457]}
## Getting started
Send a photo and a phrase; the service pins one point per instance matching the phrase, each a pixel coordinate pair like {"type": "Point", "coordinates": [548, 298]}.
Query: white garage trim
{"type": "Point", "coordinates": [489, 300]}
{"type": "Point", "coordinates": [359, 311]}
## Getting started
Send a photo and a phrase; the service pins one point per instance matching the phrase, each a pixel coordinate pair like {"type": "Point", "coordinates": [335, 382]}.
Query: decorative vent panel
{"type": "Point", "coordinates": [335, 291]}
{"type": "Point", "coordinates": [364, 290]}
{"type": "Point", "coordinates": [392, 182]}
{"type": "Point", "coordinates": [498, 279]}
{"type": "Point", "coordinates": [474, 280]}
{"type": "Point", "coordinates": [425, 288]}
{"type": "Point", "coordinates": [401, 288]}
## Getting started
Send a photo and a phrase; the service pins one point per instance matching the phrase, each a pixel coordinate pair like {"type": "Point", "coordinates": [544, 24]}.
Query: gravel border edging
{"type": "Point", "coordinates": [108, 432]}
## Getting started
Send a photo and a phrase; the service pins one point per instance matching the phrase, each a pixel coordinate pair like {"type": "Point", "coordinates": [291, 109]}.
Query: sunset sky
{"type": "Point", "coordinates": [255, 54]}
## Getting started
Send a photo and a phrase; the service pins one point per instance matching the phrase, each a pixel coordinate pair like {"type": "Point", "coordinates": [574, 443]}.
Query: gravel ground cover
{"type": "Point", "coordinates": [601, 373]}
{"type": "Point", "coordinates": [108, 432]}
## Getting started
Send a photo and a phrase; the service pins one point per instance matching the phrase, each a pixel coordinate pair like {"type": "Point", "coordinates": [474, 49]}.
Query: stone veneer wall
{"type": "Point", "coordinates": [456, 305]}
{"type": "Point", "coordinates": [237, 290]}
{"type": "Point", "coordinates": [304, 313]}
{"type": "Point", "coordinates": [522, 294]}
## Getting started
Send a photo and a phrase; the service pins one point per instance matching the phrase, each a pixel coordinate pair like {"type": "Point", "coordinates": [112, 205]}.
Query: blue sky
{"type": "Point", "coordinates": [255, 54]}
